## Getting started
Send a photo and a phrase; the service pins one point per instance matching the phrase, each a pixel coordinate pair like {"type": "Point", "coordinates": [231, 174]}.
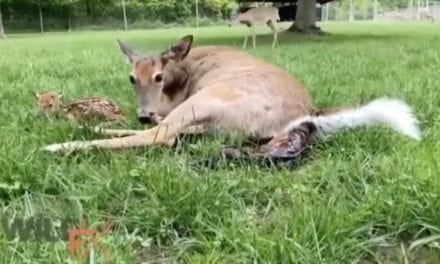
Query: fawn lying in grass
{"type": "Point", "coordinates": [85, 109]}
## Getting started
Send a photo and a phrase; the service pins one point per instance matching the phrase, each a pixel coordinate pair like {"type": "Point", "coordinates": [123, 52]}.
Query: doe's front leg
{"type": "Point", "coordinates": [156, 135]}
{"type": "Point", "coordinates": [165, 133]}
{"type": "Point", "coordinates": [254, 38]}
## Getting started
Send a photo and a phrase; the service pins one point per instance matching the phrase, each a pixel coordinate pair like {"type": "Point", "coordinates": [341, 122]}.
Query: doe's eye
{"type": "Point", "coordinates": [158, 78]}
{"type": "Point", "coordinates": [132, 79]}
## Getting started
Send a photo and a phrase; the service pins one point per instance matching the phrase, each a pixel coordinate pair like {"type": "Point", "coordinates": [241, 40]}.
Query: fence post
{"type": "Point", "coordinates": [125, 15]}
{"type": "Point", "coordinates": [40, 15]}
{"type": "Point", "coordinates": [197, 13]}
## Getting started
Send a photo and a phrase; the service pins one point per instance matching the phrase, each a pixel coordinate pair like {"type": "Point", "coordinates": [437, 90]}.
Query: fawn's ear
{"type": "Point", "coordinates": [128, 52]}
{"type": "Point", "coordinates": [178, 51]}
{"type": "Point", "coordinates": [36, 95]}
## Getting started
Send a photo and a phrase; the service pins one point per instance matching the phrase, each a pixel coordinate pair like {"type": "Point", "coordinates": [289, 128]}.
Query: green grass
{"type": "Point", "coordinates": [364, 196]}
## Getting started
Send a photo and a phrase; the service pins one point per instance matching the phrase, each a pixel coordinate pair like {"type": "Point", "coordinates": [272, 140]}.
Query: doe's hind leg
{"type": "Point", "coordinates": [273, 26]}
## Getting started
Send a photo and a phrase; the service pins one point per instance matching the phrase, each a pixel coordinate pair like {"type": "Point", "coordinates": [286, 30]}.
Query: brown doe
{"type": "Point", "coordinates": [223, 89]}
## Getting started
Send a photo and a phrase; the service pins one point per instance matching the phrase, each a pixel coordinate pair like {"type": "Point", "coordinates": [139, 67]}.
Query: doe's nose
{"type": "Point", "coordinates": [145, 119]}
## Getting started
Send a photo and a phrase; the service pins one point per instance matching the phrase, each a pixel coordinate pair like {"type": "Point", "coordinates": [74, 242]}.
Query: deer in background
{"type": "Point", "coordinates": [268, 15]}
{"type": "Point", "coordinates": [426, 14]}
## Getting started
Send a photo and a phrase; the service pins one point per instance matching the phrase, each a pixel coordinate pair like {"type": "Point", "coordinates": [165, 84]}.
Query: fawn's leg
{"type": "Point", "coordinates": [71, 119]}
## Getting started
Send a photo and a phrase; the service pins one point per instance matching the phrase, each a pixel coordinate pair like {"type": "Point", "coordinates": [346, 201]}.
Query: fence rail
{"type": "Point", "coordinates": [414, 11]}
{"type": "Point", "coordinates": [131, 14]}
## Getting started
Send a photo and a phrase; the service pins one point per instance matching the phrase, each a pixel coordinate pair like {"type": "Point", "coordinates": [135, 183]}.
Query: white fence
{"type": "Point", "coordinates": [415, 10]}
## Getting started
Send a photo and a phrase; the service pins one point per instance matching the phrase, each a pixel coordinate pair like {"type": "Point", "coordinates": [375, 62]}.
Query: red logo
{"type": "Point", "coordinates": [82, 240]}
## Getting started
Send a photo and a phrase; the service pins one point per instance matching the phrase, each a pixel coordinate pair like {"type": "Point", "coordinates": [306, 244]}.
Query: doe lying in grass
{"type": "Point", "coordinates": [221, 88]}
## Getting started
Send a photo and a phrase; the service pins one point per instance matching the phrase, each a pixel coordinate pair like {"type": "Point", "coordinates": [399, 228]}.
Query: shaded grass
{"type": "Point", "coordinates": [357, 197]}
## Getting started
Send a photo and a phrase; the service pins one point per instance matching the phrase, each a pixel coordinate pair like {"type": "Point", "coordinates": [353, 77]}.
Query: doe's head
{"type": "Point", "coordinates": [48, 102]}
{"type": "Point", "coordinates": [234, 19]}
{"type": "Point", "coordinates": [148, 75]}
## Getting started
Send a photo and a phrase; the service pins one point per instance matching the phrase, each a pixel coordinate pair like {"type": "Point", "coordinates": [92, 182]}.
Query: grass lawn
{"type": "Point", "coordinates": [364, 196]}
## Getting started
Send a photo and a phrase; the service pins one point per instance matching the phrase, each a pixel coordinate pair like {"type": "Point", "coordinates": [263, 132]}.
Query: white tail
{"type": "Point", "coordinates": [393, 113]}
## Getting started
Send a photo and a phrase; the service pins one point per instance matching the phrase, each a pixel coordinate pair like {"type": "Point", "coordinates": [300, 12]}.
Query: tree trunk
{"type": "Point", "coordinates": [69, 25]}
{"type": "Point", "coordinates": [305, 19]}
{"type": "Point", "coordinates": [2, 29]}
{"type": "Point", "coordinates": [40, 11]}
{"type": "Point", "coordinates": [88, 9]}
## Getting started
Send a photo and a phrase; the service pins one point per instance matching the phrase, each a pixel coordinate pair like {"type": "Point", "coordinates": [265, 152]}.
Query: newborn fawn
{"type": "Point", "coordinates": [85, 109]}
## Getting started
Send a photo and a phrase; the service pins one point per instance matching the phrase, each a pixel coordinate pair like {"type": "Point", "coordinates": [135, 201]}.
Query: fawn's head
{"type": "Point", "coordinates": [48, 102]}
{"type": "Point", "coordinates": [148, 77]}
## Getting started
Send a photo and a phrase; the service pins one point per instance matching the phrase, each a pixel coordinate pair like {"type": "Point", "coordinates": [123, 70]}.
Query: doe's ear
{"type": "Point", "coordinates": [180, 50]}
{"type": "Point", "coordinates": [126, 50]}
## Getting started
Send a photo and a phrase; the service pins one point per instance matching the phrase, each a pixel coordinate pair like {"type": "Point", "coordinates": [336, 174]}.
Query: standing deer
{"type": "Point", "coordinates": [258, 15]}
{"type": "Point", "coordinates": [223, 89]}
{"type": "Point", "coordinates": [426, 14]}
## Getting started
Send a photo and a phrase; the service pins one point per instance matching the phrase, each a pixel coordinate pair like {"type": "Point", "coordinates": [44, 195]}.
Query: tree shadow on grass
{"type": "Point", "coordinates": [288, 38]}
